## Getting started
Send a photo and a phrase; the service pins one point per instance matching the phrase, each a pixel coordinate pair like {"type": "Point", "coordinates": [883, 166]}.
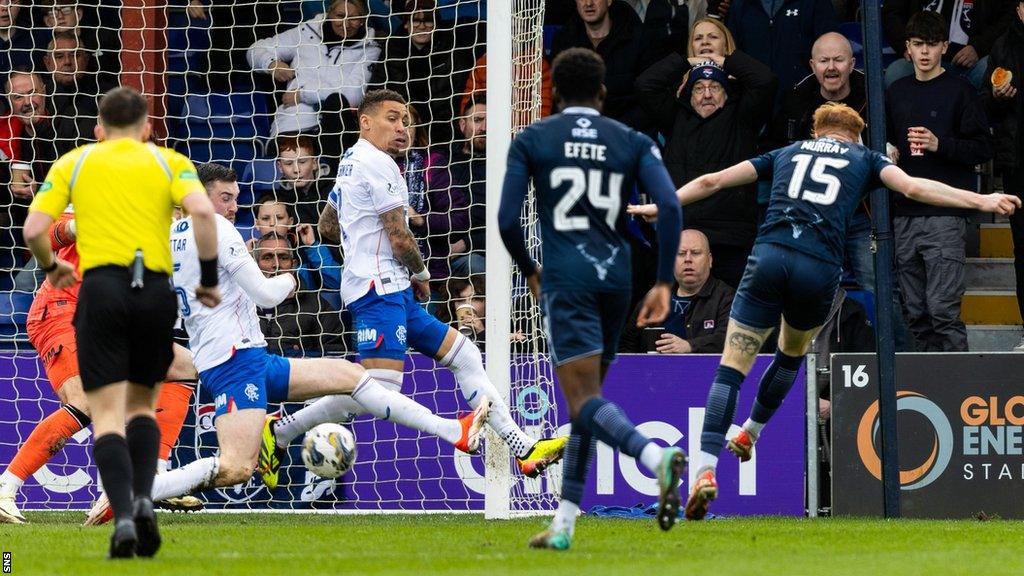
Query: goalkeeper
{"type": "Point", "coordinates": [52, 334]}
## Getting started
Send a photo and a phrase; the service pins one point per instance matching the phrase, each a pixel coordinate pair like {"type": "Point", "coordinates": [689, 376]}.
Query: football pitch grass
{"type": "Point", "coordinates": [301, 544]}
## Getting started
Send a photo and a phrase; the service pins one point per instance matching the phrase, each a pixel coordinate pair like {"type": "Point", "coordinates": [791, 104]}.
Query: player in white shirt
{"type": "Point", "coordinates": [229, 353]}
{"type": "Point", "coordinates": [368, 210]}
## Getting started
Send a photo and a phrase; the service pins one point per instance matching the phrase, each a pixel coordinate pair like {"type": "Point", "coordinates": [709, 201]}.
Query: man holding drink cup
{"type": "Point", "coordinates": [939, 128]}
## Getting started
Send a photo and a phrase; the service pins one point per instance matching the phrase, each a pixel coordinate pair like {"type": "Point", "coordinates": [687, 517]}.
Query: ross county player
{"type": "Point", "coordinates": [230, 354]}
{"type": "Point", "coordinates": [584, 167]}
{"type": "Point", "coordinates": [368, 210]}
{"type": "Point", "coordinates": [794, 269]}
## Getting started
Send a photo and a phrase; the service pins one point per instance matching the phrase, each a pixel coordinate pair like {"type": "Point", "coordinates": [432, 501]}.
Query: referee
{"type": "Point", "coordinates": [124, 191]}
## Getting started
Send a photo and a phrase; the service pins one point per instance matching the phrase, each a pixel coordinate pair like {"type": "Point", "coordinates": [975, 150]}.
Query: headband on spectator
{"type": "Point", "coordinates": [704, 71]}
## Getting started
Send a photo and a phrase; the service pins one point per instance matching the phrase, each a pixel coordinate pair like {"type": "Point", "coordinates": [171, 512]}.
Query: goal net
{"type": "Point", "coordinates": [269, 89]}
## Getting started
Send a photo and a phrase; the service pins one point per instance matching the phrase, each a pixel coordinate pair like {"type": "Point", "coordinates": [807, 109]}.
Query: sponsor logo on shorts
{"type": "Point", "coordinates": [252, 392]}
{"type": "Point", "coordinates": [366, 335]}
{"type": "Point", "coordinates": [220, 401]}
{"type": "Point", "coordinates": [400, 334]}
{"type": "Point", "coordinates": [709, 324]}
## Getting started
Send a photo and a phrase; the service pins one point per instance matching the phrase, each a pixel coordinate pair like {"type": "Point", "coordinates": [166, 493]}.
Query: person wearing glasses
{"type": "Point", "coordinates": [323, 59]}
{"type": "Point", "coordinates": [427, 62]}
{"type": "Point", "coordinates": [711, 108]}
{"type": "Point", "coordinates": [99, 46]}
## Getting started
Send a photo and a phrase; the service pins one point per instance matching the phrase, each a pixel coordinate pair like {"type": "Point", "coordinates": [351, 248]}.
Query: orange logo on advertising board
{"type": "Point", "coordinates": [942, 444]}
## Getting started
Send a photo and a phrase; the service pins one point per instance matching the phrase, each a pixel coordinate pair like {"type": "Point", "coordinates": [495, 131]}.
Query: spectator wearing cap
{"type": "Point", "coordinates": [711, 121]}
{"type": "Point", "coordinates": [323, 65]}
{"type": "Point", "coordinates": [615, 32]}
{"type": "Point", "coordinates": [428, 62]}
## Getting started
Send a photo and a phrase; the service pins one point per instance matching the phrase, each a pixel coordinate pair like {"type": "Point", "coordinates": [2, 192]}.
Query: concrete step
{"type": "Point", "coordinates": [990, 274]}
{"type": "Point", "coordinates": [996, 241]}
{"type": "Point", "coordinates": [990, 307]}
{"type": "Point", "coordinates": [991, 338]}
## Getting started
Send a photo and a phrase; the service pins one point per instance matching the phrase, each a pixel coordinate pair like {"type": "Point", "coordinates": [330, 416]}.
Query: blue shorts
{"type": "Point", "coordinates": [250, 379]}
{"type": "Point", "coordinates": [388, 325]}
{"type": "Point", "coordinates": [581, 324]}
{"type": "Point", "coordinates": [782, 281]}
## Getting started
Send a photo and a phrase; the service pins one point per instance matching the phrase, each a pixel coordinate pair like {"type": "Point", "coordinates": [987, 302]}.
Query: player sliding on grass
{"type": "Point", "coordinates": [795, 266]}
{"type": "Point", "coordinates": [368, 211]}
{"type": "Point", "coordinates": [230, 354]}
{"type": "Point", "coordinates": [51, 333]}
{"type": "Point", "coordinates": [584, 167]}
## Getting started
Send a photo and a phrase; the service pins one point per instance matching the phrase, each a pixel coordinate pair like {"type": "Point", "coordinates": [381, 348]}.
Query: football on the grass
{"type": "Point", "coordinates": [329, 450]}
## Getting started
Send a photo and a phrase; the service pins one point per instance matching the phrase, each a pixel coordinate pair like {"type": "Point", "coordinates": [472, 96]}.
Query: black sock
{"type": "Point", "coordinates": [144, 444]}
{"type": "Point", "coordinates": [115, 466]}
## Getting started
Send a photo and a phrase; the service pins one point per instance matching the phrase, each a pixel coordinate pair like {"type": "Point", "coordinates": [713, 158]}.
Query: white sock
{"type": "Point", "coordinates": [186, 480]}
{"type": "Point", "coordinates": [9, 483]}
{"type": "Point", "coordinates": [162, 466]}
{"type": "Point", "coordinates": [565, 517]}
{"type": "Point", "coordinates": [327, 409]}
{"type": "Point", "coordinates": [465, 361]}
{"type": "Point", "coordinates": [753, 428]}
{"type": "Point", "coordinates": [390, 405]}
{"type": "Point", "coordinates": [708, 460]}
{"type": "Point", "coordinates": [650, 456]}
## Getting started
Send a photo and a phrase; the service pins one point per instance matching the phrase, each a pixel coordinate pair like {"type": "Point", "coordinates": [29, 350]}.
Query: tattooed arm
{"type": "Point", "coordinates": [402, 242]}
{"type": "Point", "coordinates": [330, 230]}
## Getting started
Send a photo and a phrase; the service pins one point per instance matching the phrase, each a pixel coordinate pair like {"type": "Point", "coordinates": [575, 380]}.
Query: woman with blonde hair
{"type": "Point", "coordinates": [709, 36]}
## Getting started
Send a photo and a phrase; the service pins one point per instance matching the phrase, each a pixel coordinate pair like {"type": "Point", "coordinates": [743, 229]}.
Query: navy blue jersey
{"type": "Point", "coordinates": [816, 187]}
{"type": "Point", "coordinates": [584, 169]}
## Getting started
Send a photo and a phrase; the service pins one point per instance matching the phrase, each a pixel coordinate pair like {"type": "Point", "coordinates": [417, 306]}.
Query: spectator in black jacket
{"type": "Point", "coordinates": [710, 123]}
{"type": "Point", "coordinates": [782, 37]}
{"type": "Point", "coordinates": [1005, 106]}
{"type": "Point", "coordinates": [613, 30]}
{"type": "Point", "coordinates": [938, 125]}
{"type": "Point", "coordinates": [700, 307]}
{"type": "Point", "coordinates": [303, 324]}
{"type": "Point", "coordinates": [428, 64]}
{"type": "Point", "coordinates": [73, 92]}
{"type": "Point", "coordinates": [834, 79]}
{"type": "Point", "coordinates": [101, 44]}
{"type": "Point", "coordinates": [973, 30]}
{"type": "Point", "coordinates": [16, 40]}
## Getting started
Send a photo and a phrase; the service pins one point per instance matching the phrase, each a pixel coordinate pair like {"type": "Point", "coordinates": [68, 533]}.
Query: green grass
{"type": "Point", "coordinates": [297, 545]}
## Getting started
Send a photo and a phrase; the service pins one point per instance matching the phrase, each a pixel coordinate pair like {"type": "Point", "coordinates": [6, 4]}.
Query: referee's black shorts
{"type": "Point", "coordinates": [124, 333]}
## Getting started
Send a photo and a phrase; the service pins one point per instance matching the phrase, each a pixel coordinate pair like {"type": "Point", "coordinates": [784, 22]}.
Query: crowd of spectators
{"type": "Point", "coordinates": [714, 82]}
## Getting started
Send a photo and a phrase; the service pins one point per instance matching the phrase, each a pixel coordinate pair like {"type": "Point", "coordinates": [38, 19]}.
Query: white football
{"type": "Point", "coordinates": [329, 450]}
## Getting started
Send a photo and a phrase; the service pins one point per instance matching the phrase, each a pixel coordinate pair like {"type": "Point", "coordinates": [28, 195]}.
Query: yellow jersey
{"type": "Point", "coordinates": [124, 192]}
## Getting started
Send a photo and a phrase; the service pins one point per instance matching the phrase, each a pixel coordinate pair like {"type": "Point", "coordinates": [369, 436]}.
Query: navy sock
{"type": "Point", "coordinates": [607, 423]}
{"type": "Point", "coordinates": [578, 453]}
{"type": "Point", "coordinates": [115, 467]}
{"type": "Point", "coordinates": [721, 408]}
{"type": "Point", "coordinates": [776, 382]}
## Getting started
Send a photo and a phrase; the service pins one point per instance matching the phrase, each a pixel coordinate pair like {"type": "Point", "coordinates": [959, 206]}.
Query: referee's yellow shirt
{"type": "Point", "coordinates": [124, 192]}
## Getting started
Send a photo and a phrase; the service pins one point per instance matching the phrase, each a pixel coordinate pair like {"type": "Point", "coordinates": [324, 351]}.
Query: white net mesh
{"type": "Point", "coordinates": [269, 89]}
{"type": "Point", "coordinates": [532, 392]}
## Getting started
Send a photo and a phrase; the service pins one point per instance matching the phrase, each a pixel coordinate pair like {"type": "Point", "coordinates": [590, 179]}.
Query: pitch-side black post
{"type": "Point", "coordinates": [883, 265]}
